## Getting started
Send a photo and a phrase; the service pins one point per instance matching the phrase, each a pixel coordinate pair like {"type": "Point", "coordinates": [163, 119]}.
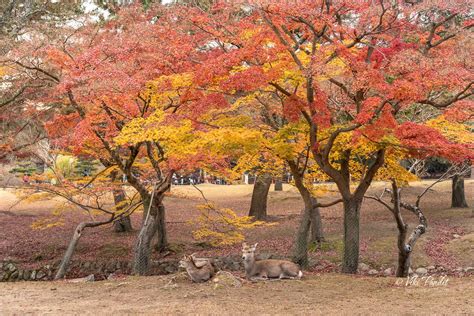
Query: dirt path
{"type": "Point", "coordinates": [326, 294]}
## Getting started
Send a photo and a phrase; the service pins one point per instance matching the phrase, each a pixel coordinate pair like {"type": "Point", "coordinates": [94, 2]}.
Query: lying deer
{"type": "Point", "coordinates": [199, 270]}
{"type": "Point", "coordinates": [265, 269]}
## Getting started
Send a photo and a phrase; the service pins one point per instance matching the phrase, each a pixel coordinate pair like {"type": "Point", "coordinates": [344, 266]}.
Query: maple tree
{"type": "Point", "coordinates": [133, 106]}
{"type": "Point", "coordinates": [330, 88]}
{"type": "Point", "coordinates": [348, 70]}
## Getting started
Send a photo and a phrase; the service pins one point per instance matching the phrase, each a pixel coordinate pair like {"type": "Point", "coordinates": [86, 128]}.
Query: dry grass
{"type": "Point", "coordinates": [316, 295]}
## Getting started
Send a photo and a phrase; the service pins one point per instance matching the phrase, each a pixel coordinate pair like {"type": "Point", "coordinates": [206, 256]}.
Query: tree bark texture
{"type": "Point", "coordinates": [278, 185]}
{"type": "Point", "coordinates": [72, 246]}
{"type": "Point", "coordinates": [258, 205]}
{"type": "Point", "coordinates": [351, 235]}
{"type": "Point", "coordinates": [153, 225]}
{"type": "Point", "coordinates": [310, 219]}
{"type": "Point", "coordinates": [458, 197]}
{"type": "Point", "coordinates": [124, 224]}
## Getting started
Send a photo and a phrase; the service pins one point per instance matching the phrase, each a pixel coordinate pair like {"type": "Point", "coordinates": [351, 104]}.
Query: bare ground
{"type": "Point", "coordinates": [321, 294]}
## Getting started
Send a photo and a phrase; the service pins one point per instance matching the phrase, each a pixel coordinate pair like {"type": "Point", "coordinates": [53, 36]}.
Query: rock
{"type": "Point", "coordinates": [89, 278]}
{"type": "Point", "coordinates": [458, 269]}
{"type": "Point", "coordinates": [86, 265]}
{"type": "Point", "coordinates": [264, 256]}
{"type": "Point", "coordinates": [235, 266]}
{"type": "Point", "coordinates": [118, 266]}
{"type": "Point", "coordinates": [14, 275]}
{"type": "Point", "coordinates": [373, 272]}
{"type": "Point", "coordinates": [227, 260]}
{"type": "Point", "coordinates": [363, 267]}
{"type": "Point", "coordinates": [431, 268]}
{"type": "Point", "coordinates": [33, 275]}
{"type": "Point", "coordinates": [26, 275]}
{"type": "Point", "coordinates": [40, 275]}
{"type": "Point", "coordinates": [469, 270]}
{"type": "Point", "coordinates": [10, 267]}
{"type": "Point", "coordinates": [421, 270]}
{"type": "Point", "coordinates": [170, 268]}
{"type": "Point", "coordinates": [20, 275]}
{"type": "Point", "coordinates": [387, 272]}
{"type": "Point", "coordinates": [456, 236]}
{"type": "Point", "coordinates": [112, 276]}
{"type": "Point", "coordinates": [226, 279]}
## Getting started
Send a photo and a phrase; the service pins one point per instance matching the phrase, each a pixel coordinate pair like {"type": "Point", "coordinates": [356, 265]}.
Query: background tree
{"type": "Point", "coordinates": [387, 52]}
{"type": "Point", "coordinates": [258, 203]}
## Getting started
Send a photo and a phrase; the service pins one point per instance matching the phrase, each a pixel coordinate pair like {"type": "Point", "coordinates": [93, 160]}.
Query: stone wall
{"type": "Point", "coordinates": [11, 271]}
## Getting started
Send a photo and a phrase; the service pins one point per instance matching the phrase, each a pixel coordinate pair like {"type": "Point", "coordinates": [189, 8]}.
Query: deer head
{"type": "Point", "coordinates": [186, 261]}
{"type": "Point", "coordinates": [248, 252]}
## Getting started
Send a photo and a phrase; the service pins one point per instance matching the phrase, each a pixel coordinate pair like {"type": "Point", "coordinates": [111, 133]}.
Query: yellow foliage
{"type": "Point", "coordinates": [453, 131]}
{"type": "Point", "coordinates": [46, 223]}
{"type": "Point", "coordinates": [222, 226]}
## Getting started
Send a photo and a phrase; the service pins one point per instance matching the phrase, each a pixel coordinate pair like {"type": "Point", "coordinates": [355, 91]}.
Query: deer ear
{"type": "Point", "coordinates": [255, 246]}
{"type": "Point", "coordinates": [244, 245]}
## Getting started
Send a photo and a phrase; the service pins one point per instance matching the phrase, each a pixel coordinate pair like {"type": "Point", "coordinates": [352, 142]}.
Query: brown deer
{"type": "Point", "coordinates": [266, 269]}
{"type": "Point", "coordinates": [200, 271]}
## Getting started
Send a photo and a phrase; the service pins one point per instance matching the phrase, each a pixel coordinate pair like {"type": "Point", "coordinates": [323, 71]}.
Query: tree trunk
{"type": "Point", "coordinates": [316, 224]}
{"type": "Point", "coordinates": [300, 255]}
{"type": "Point", "coordinates": [258, 205]}
{"type": "Point", "coordinates": [72, 246]}
{"type": "Point", "coordinates": [351, 235]}
{"type": "Point", "coordinates": [160, 227]}
{"type": "Point", "coordinates": [310, 218]}
{"type": "Point", "coordinates": [458, 198]}
{"type": "Point", "coordinates": [124, 224]}
{"type": "Point", "coordinates": [404, 259]}
{"type": "Point", "coordinates": [278, 185]}
{"type": "Point", "coordinates": [142, 251]}
{"type": "Point", "coordinates": [152, 225]}
{"type": "Point", "coordinates": [70, 250]}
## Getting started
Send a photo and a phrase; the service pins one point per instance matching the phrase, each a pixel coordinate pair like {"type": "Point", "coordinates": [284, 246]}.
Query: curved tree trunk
{"type": "Point", "coordinates": [310, 219]}
{"type": "Point", "coordinates": [258, 205]}
{"type": "Point", "coordinates": [72, 246]}
{"type": "Point", "coordinates": [458, 198]}
{"type": "Point", "coordinates": [351, 235]}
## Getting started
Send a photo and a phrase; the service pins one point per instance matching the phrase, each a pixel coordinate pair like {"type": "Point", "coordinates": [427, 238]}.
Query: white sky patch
{"type": "Point", "coordinates": [95, 12]}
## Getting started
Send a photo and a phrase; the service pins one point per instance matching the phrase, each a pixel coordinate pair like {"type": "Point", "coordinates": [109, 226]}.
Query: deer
{"type": "Point", "coordinates": [268, 269]}
{"type": "Point", "coordinates": [199, 270]}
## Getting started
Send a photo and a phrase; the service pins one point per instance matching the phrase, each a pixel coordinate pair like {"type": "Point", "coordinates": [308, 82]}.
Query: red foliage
{"type": "Point", "coordinates": [424, 141]}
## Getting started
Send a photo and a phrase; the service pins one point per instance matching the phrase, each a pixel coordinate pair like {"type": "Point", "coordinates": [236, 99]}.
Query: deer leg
{"type": "Point", "coordinates": [260, 277]}
{"type": "Point", "coordinates": [285, 276]}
